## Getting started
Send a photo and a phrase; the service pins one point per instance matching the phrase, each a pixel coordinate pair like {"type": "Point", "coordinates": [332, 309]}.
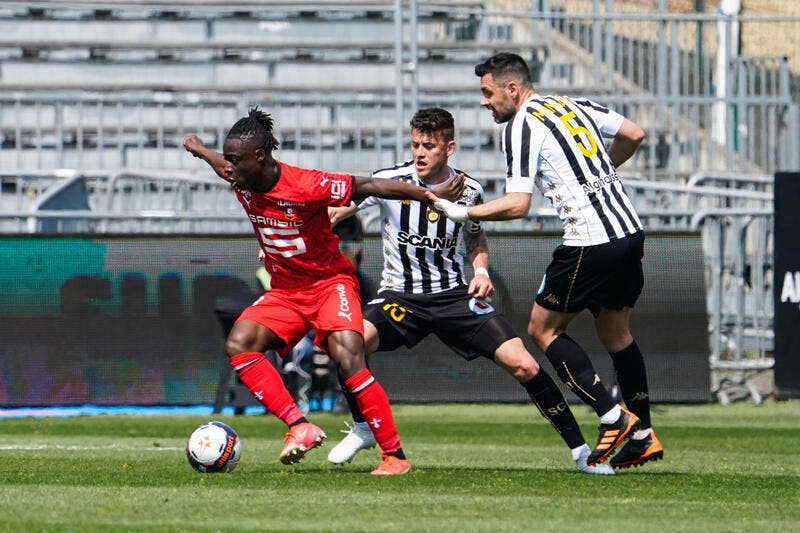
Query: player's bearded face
{"type": "Point", "coordinates": [495, 98]}
{"type": "Point", "coordinates": [430, 152]}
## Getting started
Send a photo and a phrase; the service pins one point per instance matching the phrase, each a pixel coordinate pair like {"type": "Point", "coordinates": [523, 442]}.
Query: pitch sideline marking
{"type": "Point", "coordinates": [35, 447]}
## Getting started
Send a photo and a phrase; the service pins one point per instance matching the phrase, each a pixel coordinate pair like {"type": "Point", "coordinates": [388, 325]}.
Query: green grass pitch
{"type": "Point", "coordinates": [486, 468]}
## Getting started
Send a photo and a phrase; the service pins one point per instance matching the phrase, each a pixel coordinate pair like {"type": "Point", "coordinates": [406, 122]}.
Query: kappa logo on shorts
{"type": "Point", "coordinates": [480, 307]}
{"type": "Point", "coordinates": [551, 298]}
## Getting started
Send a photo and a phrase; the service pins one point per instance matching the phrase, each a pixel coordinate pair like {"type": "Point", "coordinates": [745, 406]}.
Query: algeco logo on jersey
{"type": "Point", "coordinates": [344, 303]}
{"type": "Point", "coordinates": [790, 290]}
{"type": "Point", "coordinates": [599, 183]}
{"type": "Point", "coordinates": [423, 241]}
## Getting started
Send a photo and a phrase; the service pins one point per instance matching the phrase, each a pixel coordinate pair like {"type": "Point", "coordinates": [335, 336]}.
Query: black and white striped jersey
{"type": "Point", "coordinates": [423, 250]}
{"type": "Point", "coordinates": [556, 144]}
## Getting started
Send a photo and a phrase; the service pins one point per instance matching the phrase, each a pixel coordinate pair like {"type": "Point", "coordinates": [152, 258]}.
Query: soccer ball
{"type": "Point", "coordinates": [214, 447]}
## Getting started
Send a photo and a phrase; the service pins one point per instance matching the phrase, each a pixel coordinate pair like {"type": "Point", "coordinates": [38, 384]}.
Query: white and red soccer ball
{"type": "Point", "coordinates": [214, 447]}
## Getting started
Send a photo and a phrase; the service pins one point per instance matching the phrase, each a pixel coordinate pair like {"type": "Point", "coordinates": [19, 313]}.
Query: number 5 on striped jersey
{"type": "Point", "coordinates": [574, 130]}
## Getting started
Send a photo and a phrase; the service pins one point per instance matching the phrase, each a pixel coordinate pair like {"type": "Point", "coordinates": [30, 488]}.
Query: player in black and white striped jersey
{"type": "Point", "coordinates": [555, 144]}
{"type": "Point", "coordinates": [577, 176]}
{"type": "Point", "coordinates": [427, 257]}
{"type": "Point", "coordinates": [424, 291]}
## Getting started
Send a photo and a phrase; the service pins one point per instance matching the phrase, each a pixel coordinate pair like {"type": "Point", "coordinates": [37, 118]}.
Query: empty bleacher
{"type": "Point", "coordinates": [346, 45]}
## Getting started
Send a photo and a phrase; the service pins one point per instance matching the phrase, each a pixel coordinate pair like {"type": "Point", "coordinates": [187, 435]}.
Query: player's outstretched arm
{"type": "Point", "coordinates": [194, 145]}
{"type": "Point", "coordinates": [512, 205]}
{"type": "Point", "coordinates": [398, 190]}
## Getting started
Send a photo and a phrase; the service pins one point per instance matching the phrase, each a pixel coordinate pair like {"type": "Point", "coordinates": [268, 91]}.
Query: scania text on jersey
{"type": "Point", "coordinates": [423, 241]}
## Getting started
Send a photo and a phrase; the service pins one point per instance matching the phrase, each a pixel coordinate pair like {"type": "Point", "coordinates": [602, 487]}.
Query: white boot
{"type": "Point", "coordinates": [359, 437]}
{"type": "Point", "coordinates": [600, 469]}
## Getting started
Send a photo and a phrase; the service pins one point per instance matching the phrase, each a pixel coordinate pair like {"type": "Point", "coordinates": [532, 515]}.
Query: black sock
{"type": "Point", "coordinates": [575, 369]}
{"type": "Point", "coordinates": [358, 416]}
{"type": "Point", "coordinates": [551, 403]}
{"type": "Point", "coordinates": [398, 453]}
{"type": "Point", "coordinates": [632, 381]}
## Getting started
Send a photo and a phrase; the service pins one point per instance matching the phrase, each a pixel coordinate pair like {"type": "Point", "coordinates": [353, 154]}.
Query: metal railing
{"type": "Point", "coordinates": [703, 105]}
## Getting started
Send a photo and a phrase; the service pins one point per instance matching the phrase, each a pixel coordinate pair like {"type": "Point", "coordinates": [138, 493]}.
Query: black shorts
{"type": "Point", "coordinates": [470, 328]}
{"type": "Point", "coordinates": [605, 276]}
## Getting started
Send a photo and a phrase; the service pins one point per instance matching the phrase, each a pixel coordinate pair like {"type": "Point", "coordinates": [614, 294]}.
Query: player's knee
{"type": "Point", "coordinates": [371, 338]}
{"type": "Point", "coordinates": [538, 335]}
{"type": "Point", "coordinates": [239, 342]}
{"type": "Point", "coordinates": [516, 360]}
{"type": "Point", "coordinates": [349, 357]}
{"type": "Point", "coordinates": [526, 370]}
{"type": "Point", "coordinates": [350, 364]}
{"type": "Point", "coordinates": [614, 339]}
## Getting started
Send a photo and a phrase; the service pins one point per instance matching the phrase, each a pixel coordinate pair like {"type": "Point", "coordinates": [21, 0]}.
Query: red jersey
{"type": "Point", "coordinates": [292, 225]}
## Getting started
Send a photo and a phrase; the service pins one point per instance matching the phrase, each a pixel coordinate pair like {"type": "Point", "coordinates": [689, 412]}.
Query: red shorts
{"type": "Point", "coordinates": [328, 305]}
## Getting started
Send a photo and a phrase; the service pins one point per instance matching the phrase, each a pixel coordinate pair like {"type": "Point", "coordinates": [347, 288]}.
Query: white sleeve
{"type": "Point", "coordinates": [369, 201]}
{"type": "Point", "coordinates": [607, 120]}
{"type": "Point", "coordinates": [521, 149]}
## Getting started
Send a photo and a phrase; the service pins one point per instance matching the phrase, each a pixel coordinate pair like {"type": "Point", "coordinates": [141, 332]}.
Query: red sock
{"type": "Point", "coordinates": [374, 403]}
{"type": "Point", "coordinates": [266, 385]}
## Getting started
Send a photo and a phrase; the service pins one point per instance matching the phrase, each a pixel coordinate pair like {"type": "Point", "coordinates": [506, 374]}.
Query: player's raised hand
{"type": "Point", "coordinates": [193, 145]}
{"type": "Point", "coordinates": [453, 211]}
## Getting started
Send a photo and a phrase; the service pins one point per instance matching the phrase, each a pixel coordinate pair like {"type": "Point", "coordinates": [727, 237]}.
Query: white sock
{"type": "Point", "coordinates": [611, 416]}
{"type": "Point", "coordinates": [362, 426]}
{"type": "Point", "coordinates": [641, 434]}
{"type": "Point", "coordinates": [580, 451]}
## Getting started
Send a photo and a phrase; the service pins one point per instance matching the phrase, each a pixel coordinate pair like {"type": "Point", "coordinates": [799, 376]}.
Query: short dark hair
{"type": "Point", "coordinates": [504, 67]}
{"type": "Point", "coordinates": [351, 233]}
{"type": "Point", "coordinates": [433, 119]}
{"type": "Point", "coordinates": [256, 127]}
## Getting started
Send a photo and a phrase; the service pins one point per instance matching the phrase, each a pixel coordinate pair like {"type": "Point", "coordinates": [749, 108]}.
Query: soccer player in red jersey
{"type": "Point", "coordinates": [313, 284]}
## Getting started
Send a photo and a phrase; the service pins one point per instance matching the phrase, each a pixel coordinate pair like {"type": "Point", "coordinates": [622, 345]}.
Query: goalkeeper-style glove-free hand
{"type": "Point", "coordinates": [453, 211]}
